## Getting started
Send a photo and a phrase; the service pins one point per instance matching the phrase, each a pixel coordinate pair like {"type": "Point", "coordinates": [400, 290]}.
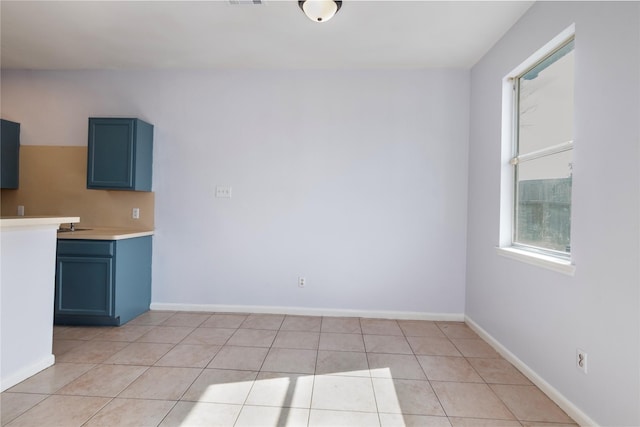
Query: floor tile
{"type": "Point", "coordinates": [131, 413]}
{"type": "Point", "coordinates": [498, 371]}
{"type": "Point", "coordinates": [528, 403]}
{"type": "Point", "coordinates": [225, 321]}
{"type": "Point", "coordinates": [240, 358]}
{"type": "Point", "coordinates": [252, 338]}
{"type": "Point", "coordinates": [151, 318]}
{"type": "Point", "coordinates": [53, 378]}
{"type": "Point", "coordinates": [92, 352]}
{"type": "Point", "coordinates": [404, 420]}
{"type": "Point", "coordinates": [201, 414]}
{"type": "Point", "coordinates": [380, 327]}
{"type": "Point", "coordinates": [265, 416]}
{"type": "Point", "coordinates": [103, 381]}
{"type": "Point", "coordinates": [386, 344]}
{"type": "Point", "coordinates": [263, 321]}
{"type": "Point", "coordinates": [470, 400]}
{"type": "Point", "coordinates": [457, 330]}
{"type": "Point", "coordinates": [343, 394]}
{"type": "Point", "coordinates": [398, 366]}
{"type": "Point", "coordinates": [297, 339]}
{"type": "Point", "coordinates": [221, 386]}
{"type": "Point", "coordinates": [166, 334]}
{"type": "Point", "coordinates": [301, 323]}
{"type": "Point", "coordinates": [189, 356]}
{"type": "Point", "coordinates": [79, 333]}
{"type": "Point", "coordinates": [67, 411]}
{"type": "Point", "coordinates": [139, 353]}
{"type": "Point", "coordinates": [187, 319]}
{"type": "Point", "coordinates": [479, 422]}
{"type": "Point", "coordinates": [474, 348]}
{"type": "Point", "coordinates": [126, 333]}
{"type": "Point", "coordinates": [59, 328]}
{"type": "Point", "coordinates": [217, 336]}
{"type": "Point", "coordinates": [346, 363]}
{"type": "Point", "coordinates": [290, 360]}
{"type": "Point", "coordinates": [324, 418]}
{"type": "Point", "coordinates": [189, 368]}
{"type": "Point", "coordinates": [162, 383]}
{"type": "Point", "coordinates": [541, 424]}
{"type": "Point", "coordinates": [406, 397]}
{"type": "Point", "coordinates": [341, 325]}
{"type": "Point", "coordinates": [341, 342]}
{"type": "Point", "coordinates": [283, 390]}
{"type": "Point", "coordinates": [420, 328]}
{"type": "Point", "coordinates": [448, 368]}
{"type": "Point", "coordinates": [13, 405]}
{"type": "Point", "coordinates": [433, 346]}
{"type": "Point", "coordinates": [62, 346]}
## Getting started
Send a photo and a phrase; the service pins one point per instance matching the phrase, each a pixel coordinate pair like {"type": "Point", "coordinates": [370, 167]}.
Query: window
{"type": "Point", "coordinates": [540, 153]}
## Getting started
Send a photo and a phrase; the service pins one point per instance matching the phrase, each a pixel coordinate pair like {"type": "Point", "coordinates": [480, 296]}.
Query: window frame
{"type": "Point", "coordinates": [547, 258]}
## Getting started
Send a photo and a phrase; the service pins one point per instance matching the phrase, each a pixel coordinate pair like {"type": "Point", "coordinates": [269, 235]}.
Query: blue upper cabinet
{"type": "Point", "coordinates": [120, 155]}
{"type": "Point", "coordinates": [9, 154]}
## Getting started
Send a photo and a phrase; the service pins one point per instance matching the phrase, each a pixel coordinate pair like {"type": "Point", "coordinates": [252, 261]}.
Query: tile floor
{"type": "Point", "coordinates": [206, 369]}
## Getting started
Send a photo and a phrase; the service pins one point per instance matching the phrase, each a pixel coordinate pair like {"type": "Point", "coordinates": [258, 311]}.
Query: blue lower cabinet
{"type": "Point", "coordinates": [102, 282]}
{"type": "Point", "coordinates": [85, 286]}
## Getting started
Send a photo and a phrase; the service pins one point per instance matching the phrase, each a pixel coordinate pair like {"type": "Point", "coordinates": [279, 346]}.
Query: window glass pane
{"type": "Point", "coordinates": [543, 173]}
{"type": "Point", "coordinates": [545, 116]}
{"type": "Point", "coordinates": [543, 207]}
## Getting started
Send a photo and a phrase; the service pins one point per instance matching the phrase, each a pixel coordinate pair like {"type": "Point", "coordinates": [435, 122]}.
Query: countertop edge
{"type": "Point", "coordinates": [104, 234]}
{"type": "Point", "coordinates": [36, 221]}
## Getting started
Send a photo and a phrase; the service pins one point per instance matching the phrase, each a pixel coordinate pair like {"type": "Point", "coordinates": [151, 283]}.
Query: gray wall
{"type": "Point", "coordinates": [356, 180]}
{"type": "Point", "coordinates": [542, 316]}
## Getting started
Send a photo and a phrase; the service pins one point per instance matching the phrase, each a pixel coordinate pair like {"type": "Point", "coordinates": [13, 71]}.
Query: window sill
{"type": "Point", "coordinates": [544, 261]}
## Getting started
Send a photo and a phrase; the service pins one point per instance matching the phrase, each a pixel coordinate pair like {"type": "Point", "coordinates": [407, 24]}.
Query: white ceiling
{"type": "Point", "coordinates": [276, 34]}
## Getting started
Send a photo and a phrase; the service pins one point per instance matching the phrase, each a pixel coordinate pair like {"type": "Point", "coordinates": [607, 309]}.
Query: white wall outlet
{"type": "Point", "coordinates": [223, 192]}
{"type": "Point", "coordinates": [581, 360]}
{"type": "Point", "coordinates": [302, 282]}
{"type": "Point", "coordinates": [135, 213]}
{"type": "Point", "coordinates": [20, 210]}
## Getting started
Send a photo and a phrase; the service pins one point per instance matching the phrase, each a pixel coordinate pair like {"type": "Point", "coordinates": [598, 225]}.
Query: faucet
{"type": "Point", "coordinates": [72, 227]}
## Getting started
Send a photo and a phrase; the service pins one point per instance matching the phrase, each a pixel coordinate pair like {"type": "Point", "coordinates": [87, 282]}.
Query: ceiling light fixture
{"type": "Point", "coordinates": [320, 10]}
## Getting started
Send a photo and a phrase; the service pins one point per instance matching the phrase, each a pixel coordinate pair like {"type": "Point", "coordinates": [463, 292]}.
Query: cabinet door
{"type": "Point", "coordinates": [84, 286]}
{"type": "Point", "coordinates": [111, 153]}
{"type": "Point", "coordinates": [9, 154]}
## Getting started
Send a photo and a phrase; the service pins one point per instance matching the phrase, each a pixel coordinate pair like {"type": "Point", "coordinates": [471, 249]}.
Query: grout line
{"type": "Point", "coordinates": [98, 411]}
{"type": "Point", "coordinates": [168, 412]}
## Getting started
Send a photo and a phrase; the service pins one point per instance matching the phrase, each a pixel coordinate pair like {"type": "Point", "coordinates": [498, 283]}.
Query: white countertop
{"type": "Point", "coordinates": [31, 221]}
{"type": "Point", "coordinates": [102, 233]}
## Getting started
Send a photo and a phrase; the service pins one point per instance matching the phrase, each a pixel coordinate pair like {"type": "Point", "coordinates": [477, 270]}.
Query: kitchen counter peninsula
{"type": "Point", "coordinates": [27, 272]}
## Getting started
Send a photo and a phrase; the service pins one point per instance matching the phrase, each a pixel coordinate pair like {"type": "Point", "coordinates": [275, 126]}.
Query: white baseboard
{"type": "Point", "coordinates": [26, 372]}
{"type": "Point", "coordinates": [304, 311]}
{"type": "Point", "coordinates": [572, 410]}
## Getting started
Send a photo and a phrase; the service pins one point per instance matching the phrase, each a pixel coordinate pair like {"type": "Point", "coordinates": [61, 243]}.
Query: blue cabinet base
{"type": "Point", "coordinates": [102, 282]}
{"type": "Point", "coordinates": [76, 320]}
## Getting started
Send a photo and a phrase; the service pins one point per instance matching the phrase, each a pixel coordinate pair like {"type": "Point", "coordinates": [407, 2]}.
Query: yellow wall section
{"type": "Point", "coordinates": [53, 181]}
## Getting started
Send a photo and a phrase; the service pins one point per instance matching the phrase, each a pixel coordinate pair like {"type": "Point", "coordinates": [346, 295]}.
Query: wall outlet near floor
{"type": "Point", "coordinates": [135, 213]}
{"type": "Point", "coordinates": [20, 210]}
{"type": "Point", "coordinates": [302, 282]}
{"type": "Point", "coordinates": [581, 360]}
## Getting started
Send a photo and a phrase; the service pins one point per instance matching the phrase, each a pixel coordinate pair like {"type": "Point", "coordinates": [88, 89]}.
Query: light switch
{"type": "Point", "coordinates": [224, 192]}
